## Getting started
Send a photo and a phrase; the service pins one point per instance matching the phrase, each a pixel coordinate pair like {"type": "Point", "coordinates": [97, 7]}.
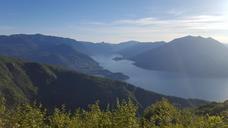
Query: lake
{"type": "Point", "coordinates": [173, 84]}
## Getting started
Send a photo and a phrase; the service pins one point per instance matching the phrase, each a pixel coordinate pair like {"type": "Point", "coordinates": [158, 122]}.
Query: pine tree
{"type": "Point", "coordinates": [125, 115]}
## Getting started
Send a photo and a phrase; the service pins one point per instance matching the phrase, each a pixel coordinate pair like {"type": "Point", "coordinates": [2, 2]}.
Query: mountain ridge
{"type": "Point", "coordinates": [43, 49]}
{"type": "Point", "coordinates": [196, 56]}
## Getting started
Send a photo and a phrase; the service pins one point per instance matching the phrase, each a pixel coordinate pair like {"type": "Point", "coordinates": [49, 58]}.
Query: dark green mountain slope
{"type": "Point", "coordinates": [214, 109]}
{"type": "Point", "coordinates": [53, 50]}
{"type": "Point", "coordinates": [25, 81]}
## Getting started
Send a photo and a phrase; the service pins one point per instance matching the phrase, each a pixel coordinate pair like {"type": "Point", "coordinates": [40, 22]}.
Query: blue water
{"type": "Point", "coordinates": [173, 84]}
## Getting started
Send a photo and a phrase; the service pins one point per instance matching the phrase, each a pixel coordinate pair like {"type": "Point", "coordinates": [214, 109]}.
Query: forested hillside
{"type": "Point", "coordinates": [25, 81]}
{"type": "Point", "coordinates": [214, 108]}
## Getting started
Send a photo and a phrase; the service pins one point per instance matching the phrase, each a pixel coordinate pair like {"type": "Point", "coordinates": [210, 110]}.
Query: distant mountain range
{"type": "Point", "coordinates": [69, 53]}
{"type": "Point", "coordinates": [195, 56]}
{"type": "Point", "coordinates": [22, 81]}
{"type": "Point", "coordinates": [191, 55]}
{"type": "Point", "coordinates": [64, 52]}
{"type": "Point", "coordinates": [137, 48]}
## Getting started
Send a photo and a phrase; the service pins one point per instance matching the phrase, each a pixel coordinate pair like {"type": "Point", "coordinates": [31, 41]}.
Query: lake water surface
{"type": "Point", "coordinates": [173, 84]}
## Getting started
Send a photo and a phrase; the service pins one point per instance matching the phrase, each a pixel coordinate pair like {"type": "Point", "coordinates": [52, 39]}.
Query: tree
{"type": "Point", "coordinates": [27, 116]}
{"type": "Point", "coordinates": [2, 112]}
{"type": "Point", "coordinates": [162, 113]}
{"type": "Point", "coordinates": [60, 118]}
{"type": "Point", "coordinates": [125, 115]}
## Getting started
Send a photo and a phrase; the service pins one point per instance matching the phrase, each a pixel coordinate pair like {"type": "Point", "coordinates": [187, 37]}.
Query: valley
{"type": "Point", "coordinates": [169, 68]}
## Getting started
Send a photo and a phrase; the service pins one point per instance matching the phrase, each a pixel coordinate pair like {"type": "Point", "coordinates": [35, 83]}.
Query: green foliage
{"type": "Point", "coordinates": [215, 111]}
{"type": "Point", "coordinates": [125, 115]}
{"type": "Point", "coordinates": [95, 118]}
{"type": "Point", "coordinates": [27, 116]}
{"type": "Point", "coordinates": [60, 118]}
{"type": "Point", "coordinates": [162, 114]}
{"type": "Point", "coordinates": [2, 112]}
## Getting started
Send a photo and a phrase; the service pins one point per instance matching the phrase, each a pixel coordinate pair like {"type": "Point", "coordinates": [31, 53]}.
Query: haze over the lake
{"type": "Point", "coordinates": [117, 20]}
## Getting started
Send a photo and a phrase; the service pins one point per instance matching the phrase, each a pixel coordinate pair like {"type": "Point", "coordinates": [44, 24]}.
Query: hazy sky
{"type": "Point", "coordinates": [116, 20]}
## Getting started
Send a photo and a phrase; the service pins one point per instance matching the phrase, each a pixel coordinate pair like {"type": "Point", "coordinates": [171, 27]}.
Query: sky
{"type": "Point", "coordinates": [116, 20]}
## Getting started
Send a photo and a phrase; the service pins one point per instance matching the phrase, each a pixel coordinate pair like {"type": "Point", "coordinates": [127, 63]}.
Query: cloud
{"type": "Point", "coordinates": [142, 21]}
{"type": "Point", "coordinates": [175, 12]}
{"type": "Point", "coordinates": [153, 28]}
{"type": "Point", "coordinates": [207, 22]}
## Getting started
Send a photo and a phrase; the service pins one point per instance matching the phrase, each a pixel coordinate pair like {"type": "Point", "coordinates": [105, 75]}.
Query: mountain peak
{"type": "Point", "coordinates": [193, 55]}
{"type": "Point", "coordinates": [188, 37]}
{"type": "Point", "coordinates": [195, 39]}
{"type": "Point", "coordinates": [130, 42]}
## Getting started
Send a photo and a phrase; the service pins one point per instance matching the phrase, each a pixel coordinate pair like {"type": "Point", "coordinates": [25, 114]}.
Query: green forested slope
{"type": "Point", "coordinates": [219, 109]}
{"type": "Point", "coordinates": [25, 81]}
